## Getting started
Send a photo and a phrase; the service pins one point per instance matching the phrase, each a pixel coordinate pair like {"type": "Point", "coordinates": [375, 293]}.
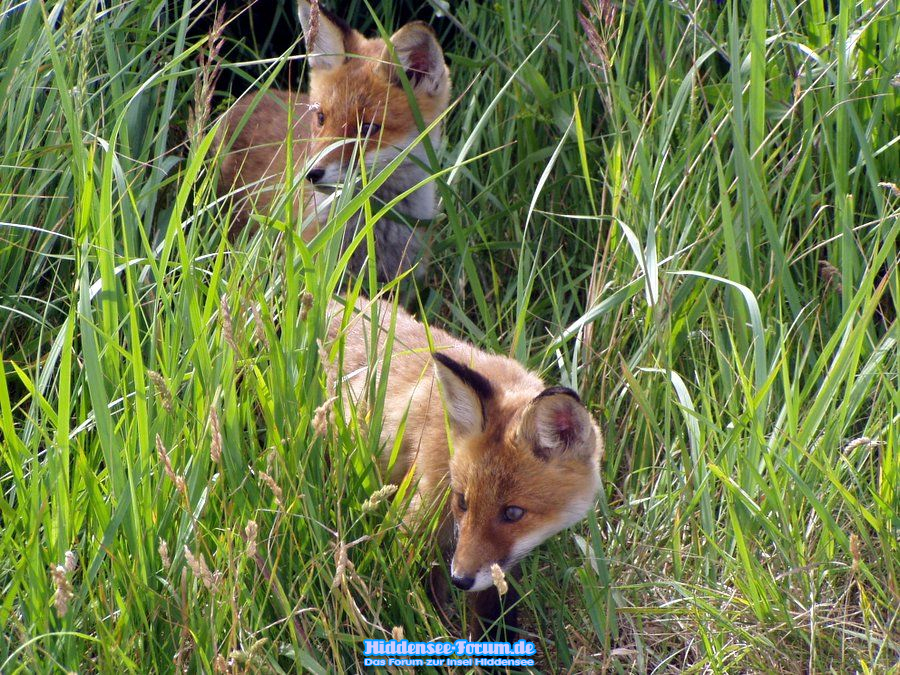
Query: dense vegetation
{"type": "Point", "coordinates": [686, 210]}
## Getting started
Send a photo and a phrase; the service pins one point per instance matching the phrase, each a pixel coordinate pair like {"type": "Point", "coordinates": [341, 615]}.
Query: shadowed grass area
{"type": "Point", "coordinates": [685, 210]}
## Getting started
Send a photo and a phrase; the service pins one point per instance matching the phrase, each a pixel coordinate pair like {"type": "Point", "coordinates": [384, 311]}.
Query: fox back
{"type": "Point", "coordinates": [521, 459]}
{"type": "Point", "coordinates": [357, 109]}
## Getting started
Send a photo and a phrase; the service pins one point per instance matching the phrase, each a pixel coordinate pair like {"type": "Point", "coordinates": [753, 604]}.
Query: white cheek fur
{"type": "Point", "coordinates": [576, 511]}
{"type": "Point", "coordinates": [483, 580]}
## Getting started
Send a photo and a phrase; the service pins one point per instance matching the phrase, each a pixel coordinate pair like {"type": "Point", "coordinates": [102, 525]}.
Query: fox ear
{"type": "Point", "coordinates": [556, 424]}
{"type": "Point", "coordinates": [418, 54]}
{"type": "Point", "coordinates": [325, 35]}
{"type": "Point", "coordinates": [465, 393]}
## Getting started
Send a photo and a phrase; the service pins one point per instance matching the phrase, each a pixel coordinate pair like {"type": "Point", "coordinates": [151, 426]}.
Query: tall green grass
{"type": "Point", "coordinates": [686, 210]}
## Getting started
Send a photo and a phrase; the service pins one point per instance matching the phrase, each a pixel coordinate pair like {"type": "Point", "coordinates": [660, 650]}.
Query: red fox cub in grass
{"type": "Point", "coordinates": [525, 457]}
{"type": "Point", "coordinates": [356, 106]}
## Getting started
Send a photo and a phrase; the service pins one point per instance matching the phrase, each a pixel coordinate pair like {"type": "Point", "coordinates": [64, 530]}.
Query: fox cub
{"type": "Point", "coordinates": [521, 460]}
{"type": "Point", "coordinates": [356, 107]}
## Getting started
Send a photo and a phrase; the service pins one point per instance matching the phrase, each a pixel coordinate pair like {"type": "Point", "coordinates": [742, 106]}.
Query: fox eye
{"type": "Point", "coordinates": [512, 514]}
{"type": "Point", "coordinates": [369, 128]}
{"type": "Point", "coordinates": [461, 502]}
{"type": "Point", "coordinates": [321, 118]}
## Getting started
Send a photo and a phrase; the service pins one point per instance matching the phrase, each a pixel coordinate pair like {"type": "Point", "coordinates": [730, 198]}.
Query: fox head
{"type": "Point", "coordinates": [524, 466]}
{"type": "Point", "coordinates": [356, 91]}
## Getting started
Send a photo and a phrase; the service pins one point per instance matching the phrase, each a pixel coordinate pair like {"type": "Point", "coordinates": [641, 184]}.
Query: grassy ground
{"type": "Point", "coordinates": [686, 210]}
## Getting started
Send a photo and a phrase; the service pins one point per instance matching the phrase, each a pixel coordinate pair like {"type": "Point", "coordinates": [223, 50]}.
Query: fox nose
{"type": "Point", "coordinates": [315, 175]}
{"type": "Point", "coordinates": [465, 583]}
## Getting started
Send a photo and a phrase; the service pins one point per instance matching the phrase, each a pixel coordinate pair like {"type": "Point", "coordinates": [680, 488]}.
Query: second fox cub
{"type": "Point", "coordinates": [521, 460]}
{"type": "Point", "coordinates": [356, 106]}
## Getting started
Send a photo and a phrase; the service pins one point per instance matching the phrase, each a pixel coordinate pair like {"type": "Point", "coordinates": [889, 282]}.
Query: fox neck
{"type": "Point", "coordinates": [420, 204]}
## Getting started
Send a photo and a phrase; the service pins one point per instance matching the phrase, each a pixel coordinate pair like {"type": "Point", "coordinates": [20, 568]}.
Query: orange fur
{"type": "Point", "coordinates": [353, 80]}
{"type": "Point", "coordinates": [255, 165]}
{"type": "Point", "coordinates": [359, 91]}
{"type": "Point", "coordinates": [515, 443]}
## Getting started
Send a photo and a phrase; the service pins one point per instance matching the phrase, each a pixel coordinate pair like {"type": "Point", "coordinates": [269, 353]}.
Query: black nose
{"type": "Point", "coordinates": [465, 583]}
{"type": "Point", "coordinates": [315, 175]}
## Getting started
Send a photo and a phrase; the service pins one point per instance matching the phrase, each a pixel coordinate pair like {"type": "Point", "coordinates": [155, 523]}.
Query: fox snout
{"type": "Point", "coordinates": [463, 583]}
{"type": "Point", "coordinates": [330, 166]}
{"type": "Point", "coordinates": [477, 550]}
{"type": "Point", "coordinates": [315, 175]}
{"type": "Point", "coordinates": [331, 163]}
{"type": "Point", "coordinates": [332, 159]}
{"type": "Point", "coordinates": [477, 580]}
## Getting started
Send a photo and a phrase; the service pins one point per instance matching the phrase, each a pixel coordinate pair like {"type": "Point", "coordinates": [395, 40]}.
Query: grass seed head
{"type": "Point", "coordinates": [322, 417]}
{"type": "Point", "coordinates": [273, 486]}
{"type": "Point", "coordinates": [306, 303]}
{"type": "Point", "coordinates": [250, 532]}
{"type": "Point", "coordinates": [258, 648]}
{"type": "Point", "coordinates": [831, 275]}
{"type": "Point", "coordinates": [163, 455]}
{"type": "Point", "coordinates": [259, 328]}
{"type": "Point", "coordinates": [200, 569]}
{"type": "Point", "coordinates": [323, 353]}
{"type": "Point", "coordinates": [890, 187]}
{"type": "Point", "coordinates": [208, 71]}
{"type": "Point", "coordinates": [163, 549]}
{"type": "Point", "coordinates": [855, 551]}
{"type": "Point", "coordinates": [499, 579]}
{"type": "Point", "coordinates": [227, 323]}
{"type": "Point", "coordinates": [215, 446]}
{"type": "Point", "coordinates": [63, 593]}
{"type": "Point", "coordinates": [162, 390]}
{"type": "Point", "coordinates": [343, 567]}
{"type": "Point", "coordinates": [599, 25]}
{"type": "Point", "coordinates": [862, 441]}
{"type": "Point", "coordinates": [380, 495]}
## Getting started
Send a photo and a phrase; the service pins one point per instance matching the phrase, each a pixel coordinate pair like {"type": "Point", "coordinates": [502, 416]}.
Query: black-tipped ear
{"type": "Point", "coordinates": [325, 35]}
{"type": "Point", "coordinates": [553, 391]}
{"type": "Point", "coordinates": [465, 393]}
{"type": "Point", "coordinates": [419, 55]}
{"type": "Point", "coordinates": [556, 423]}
